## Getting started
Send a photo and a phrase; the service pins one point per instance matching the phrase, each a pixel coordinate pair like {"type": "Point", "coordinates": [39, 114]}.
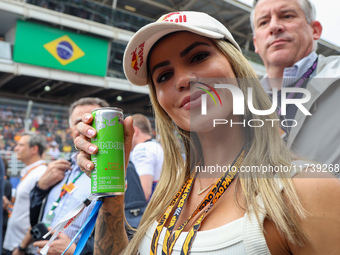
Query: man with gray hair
{"type": "Point", "coordinates": [63, 186]}
{"type": "Point", "coordinates": [285, 36]}
{"type": "Point", "coordinates": [29, 150]}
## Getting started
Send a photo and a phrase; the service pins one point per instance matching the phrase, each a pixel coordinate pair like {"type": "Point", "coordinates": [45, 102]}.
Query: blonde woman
{"type": "Point", "coordinates": [194, 211]}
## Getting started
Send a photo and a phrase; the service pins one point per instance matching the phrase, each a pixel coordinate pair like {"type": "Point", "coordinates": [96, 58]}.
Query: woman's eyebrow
{"type": "Point", "coordinates": [159, 65]}
{"type": "Point", "coordinates": [192, 46]}
{"type": "Point", "coordinates": [182, 54]}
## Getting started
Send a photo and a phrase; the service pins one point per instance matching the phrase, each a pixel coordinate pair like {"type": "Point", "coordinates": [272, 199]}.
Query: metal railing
{"type": "Point", "coordinates": [15, 165]}
{"type": "Point", "coordinates": [95, 11]}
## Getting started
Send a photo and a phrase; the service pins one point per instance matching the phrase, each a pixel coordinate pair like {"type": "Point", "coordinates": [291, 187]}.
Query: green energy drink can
{"type": "Point", "coordinates": [108, 175]}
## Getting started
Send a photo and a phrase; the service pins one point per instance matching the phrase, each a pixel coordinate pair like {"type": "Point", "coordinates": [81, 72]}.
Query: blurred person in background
{"type": "Point", "coordinates": [2, 173]}
{"type": "Point", "coordinates": [54, 151]}
{"type": "Point", "coordinates": [7, 197]}
{"type": "Point", "coordinates": [58, 174]}
{"type": "Point", "coordinates": [63, 177]}
{"type": "Point", "coordinates": [29, 150]}
{"type": "Point", "coordinates": [146, 154]}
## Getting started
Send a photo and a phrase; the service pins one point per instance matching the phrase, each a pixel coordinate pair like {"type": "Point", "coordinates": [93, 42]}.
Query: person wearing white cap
{"type": "Point", "coordinates": [54, 151]}
{"type": "Point", "coordinates": [226, 196]}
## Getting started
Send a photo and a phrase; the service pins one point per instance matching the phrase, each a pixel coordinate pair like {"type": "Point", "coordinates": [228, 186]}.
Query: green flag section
{"type": "Point", "coordinates": [41, 45]}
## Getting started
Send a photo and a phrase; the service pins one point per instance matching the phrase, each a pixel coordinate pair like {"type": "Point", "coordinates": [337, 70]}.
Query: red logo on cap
{"type": "Point", "coordinates": [134, 61]}
{"type": "Point", "coordinates": [178, 19]}
{"type": "Point", "coordinates": [137, 57]}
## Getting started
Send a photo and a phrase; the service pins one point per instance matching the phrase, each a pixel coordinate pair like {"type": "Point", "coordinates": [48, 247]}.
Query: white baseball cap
{"type": "Point", "coordinates": [138, 48]}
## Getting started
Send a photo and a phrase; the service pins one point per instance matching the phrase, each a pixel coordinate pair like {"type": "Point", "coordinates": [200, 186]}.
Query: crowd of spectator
{"type": "Point", "coordinates": [52, 123]}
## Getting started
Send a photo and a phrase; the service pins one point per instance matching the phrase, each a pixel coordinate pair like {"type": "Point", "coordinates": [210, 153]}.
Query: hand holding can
{"type": "Point", "coordinates": [108, 175]}
{"type": "Point", "coordinates": [86, 148]}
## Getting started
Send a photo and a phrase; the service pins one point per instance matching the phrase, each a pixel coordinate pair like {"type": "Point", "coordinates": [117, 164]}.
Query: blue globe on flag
{"type": "Point", "coordinates": [64, 50]}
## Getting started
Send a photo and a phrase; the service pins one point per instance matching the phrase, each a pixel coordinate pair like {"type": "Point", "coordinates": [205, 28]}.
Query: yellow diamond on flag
{"type": "Point", "coordinates": [64, 50]}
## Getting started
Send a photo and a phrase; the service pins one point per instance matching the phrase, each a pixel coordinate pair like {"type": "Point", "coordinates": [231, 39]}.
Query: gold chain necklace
{"type": "Point", "coordinates": [199, 191]}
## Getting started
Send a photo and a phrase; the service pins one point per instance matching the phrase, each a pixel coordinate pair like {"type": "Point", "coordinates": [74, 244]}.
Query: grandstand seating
{"type": "Point", "coordinates": [50, 120]}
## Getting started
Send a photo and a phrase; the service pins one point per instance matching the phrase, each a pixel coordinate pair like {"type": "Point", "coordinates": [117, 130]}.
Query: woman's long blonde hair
{"type": "Point", "coordinates": [263, 146]}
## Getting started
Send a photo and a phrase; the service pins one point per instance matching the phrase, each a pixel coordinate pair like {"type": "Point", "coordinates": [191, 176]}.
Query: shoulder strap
{"type": "Point", "coordinates": [254, 240]}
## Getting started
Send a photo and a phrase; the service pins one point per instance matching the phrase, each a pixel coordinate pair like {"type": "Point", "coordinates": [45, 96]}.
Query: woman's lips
{"type": "Point", "coordinates": [193, 101]}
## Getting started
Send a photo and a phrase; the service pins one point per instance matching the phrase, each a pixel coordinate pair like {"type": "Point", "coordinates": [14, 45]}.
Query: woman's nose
{"type": "Point", "coordinates": [184, 79]}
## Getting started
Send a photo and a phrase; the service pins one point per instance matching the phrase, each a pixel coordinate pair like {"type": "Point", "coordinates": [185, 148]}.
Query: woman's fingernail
{"type": "Point", "coordinates": [88, 166]}
{"type": "Point", "coordinates": [87, 117]}
{"type": "Point", "coordinates": [92, 148]}
{"type": "Point", "coordinates": [90, 132]}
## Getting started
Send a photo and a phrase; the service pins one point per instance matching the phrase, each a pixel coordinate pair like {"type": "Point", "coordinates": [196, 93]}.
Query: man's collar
{"type": "Point", "coordinates": [291, 74]}
{"type": "Point", "coordinates": [27, 168]}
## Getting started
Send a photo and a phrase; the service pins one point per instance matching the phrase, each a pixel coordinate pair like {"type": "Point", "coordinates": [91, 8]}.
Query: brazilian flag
{"type": "Point", "coordinates": [41, 45]}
